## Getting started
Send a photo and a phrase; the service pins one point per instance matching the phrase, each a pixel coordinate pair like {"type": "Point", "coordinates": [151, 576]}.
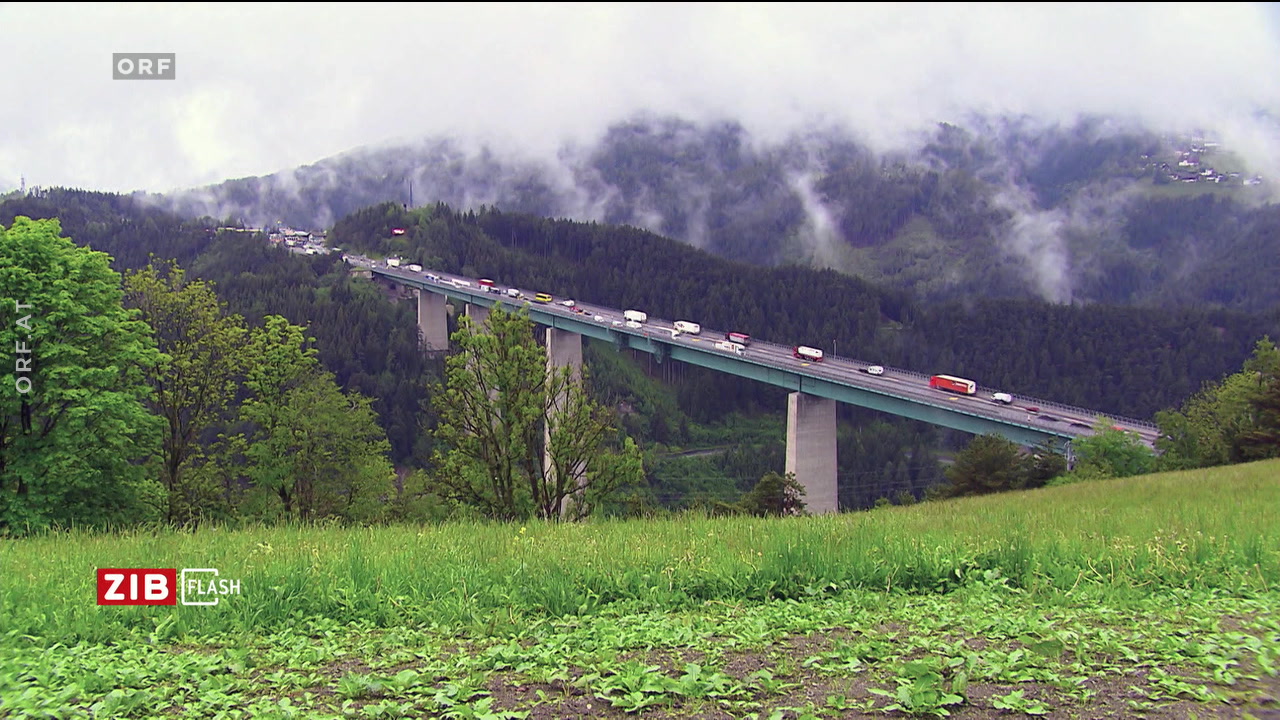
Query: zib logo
{"type": "Point", "coordinates": [161, 586]}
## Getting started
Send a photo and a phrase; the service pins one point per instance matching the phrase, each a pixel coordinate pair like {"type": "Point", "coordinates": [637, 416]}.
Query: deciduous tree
{"type": "Point", "coordinates": [519, 440]}
{"type": "Point", "coordinates": [318, 450]}
{"type": "Point", "coordinates": [204, 357]}
{"type": "Point", "coordinates": [1112, 453]}
{"type": "Point", "coordinates": [1221, 424]}
{"type": "Point", "coordinates": [73, 426]}
{"type": "Point", "coordinates": [775, 496]}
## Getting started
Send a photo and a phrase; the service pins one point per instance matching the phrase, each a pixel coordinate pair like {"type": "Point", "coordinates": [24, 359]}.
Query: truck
{"type": "Point", "coordinates": [415, 267]}
{"type": "Point", "coordinates": [804, 352]}
{"type": "Point", "coordinates": [513, 292]}
{"type": "Point", "coordinates": [733, 347]}
{"type": "Point", "coordinates": [393, 262]}
{"type": "Point", "coordinates": [742, 339]}
{"type": "Point", "coordinates": [635, 316]}
{"type": "Point", "coordinates": [487, 285]}
{"type": "Point", "coordinates": [690, 328]}
{"type": "Point", "coordinates": [951, 383]}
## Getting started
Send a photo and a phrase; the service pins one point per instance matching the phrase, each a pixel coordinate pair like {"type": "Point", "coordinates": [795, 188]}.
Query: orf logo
{"type": "Point", "coordinates": [138, 586]}
{"type": "Point", "coordinates": [144, 66]}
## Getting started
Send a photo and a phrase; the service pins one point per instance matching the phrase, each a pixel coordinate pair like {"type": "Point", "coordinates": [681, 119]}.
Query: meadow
{"type": "Point", "coordinates": [1151, 596]}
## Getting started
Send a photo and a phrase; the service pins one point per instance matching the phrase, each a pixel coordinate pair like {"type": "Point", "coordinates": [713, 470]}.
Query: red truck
{"type": "Point", "coordinates": [953, 384]}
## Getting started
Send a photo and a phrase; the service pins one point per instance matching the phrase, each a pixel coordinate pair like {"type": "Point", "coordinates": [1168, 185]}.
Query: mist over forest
{"type": "Point", "coordinates": [1010, 207]}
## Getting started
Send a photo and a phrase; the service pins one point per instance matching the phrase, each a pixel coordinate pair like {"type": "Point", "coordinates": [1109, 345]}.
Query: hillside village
{"type": "Point", "coordinates": [1195, 163]}
{"type": "Point", "coordinates": [301, 242]}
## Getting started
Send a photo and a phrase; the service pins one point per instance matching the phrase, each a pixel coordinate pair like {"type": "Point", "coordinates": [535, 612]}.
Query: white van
{"type": "Point", "coordinates": [691, 328]}
{"type": "Point", "coordinates": [1002, 398]}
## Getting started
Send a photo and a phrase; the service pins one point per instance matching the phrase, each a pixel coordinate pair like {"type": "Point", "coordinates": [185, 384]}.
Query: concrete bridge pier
{"type": "Point", "coordinates": [811, 450]}
{"type": "Point", "coordinates": [433, 321]}
{"type": "Point", "coordinates": [479, 314]}
{"type": "Point", "coordinates": [564, 348]}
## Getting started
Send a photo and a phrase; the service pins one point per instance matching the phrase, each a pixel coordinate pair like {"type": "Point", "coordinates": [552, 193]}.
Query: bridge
{"type": "Point", "coordinates": [815, 387]}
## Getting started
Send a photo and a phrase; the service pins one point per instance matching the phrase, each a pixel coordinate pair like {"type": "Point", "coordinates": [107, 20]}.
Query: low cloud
{"type": "Point", "coordinates": [261, 88]}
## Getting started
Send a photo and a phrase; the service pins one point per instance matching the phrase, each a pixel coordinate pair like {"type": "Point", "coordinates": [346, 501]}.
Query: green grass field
{"type": "Point", "coordinates": [1146, 595]}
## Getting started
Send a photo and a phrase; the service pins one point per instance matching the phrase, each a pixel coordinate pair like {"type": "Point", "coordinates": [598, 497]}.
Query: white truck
{"type": "Point", "coordinates": [635, 316]}
{"type": "Point", "coordinates": [732, 347]}
{"type": "Point", "coordinates": [393, 262]}
{"type": "Point", "coordinates": [689, 328]}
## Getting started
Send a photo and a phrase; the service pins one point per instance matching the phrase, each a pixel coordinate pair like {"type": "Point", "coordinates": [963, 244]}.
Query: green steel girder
{"type": "Point", "coordinates": [955, 418]}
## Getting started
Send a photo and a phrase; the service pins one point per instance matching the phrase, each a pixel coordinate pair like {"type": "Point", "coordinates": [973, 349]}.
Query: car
{"type": "Point", "coordinates": [568, 303]}
{"type": "Point", "coordinates": [1049, 418]}
{"type": "Point", "coordinates": [1031, 409]}
{"type": "Point", "coordinates": [433, 277]}
{"type": "Point", "coordinates": [1078, 424]}
{"type": "Point", "coordinates": [634, 325]}
{"type": "Point", "coordinates": [875, 370]}
{"type": "Point", "coordinates": [598, 318]}
{"type": "Point", "coordinates": [616, 323]}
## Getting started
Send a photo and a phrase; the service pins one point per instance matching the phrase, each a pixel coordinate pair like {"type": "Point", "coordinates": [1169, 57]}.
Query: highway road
{"type": "Point", "coordinates": [902, 383]}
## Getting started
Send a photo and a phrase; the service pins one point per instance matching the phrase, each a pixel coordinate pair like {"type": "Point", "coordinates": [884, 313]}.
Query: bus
{"type": "Point", "coordinates": [542, 298]}
{"type": "Point", "coordinates": [807, 353]}
{"type": "Point", "coordinates": [953, 384]}
{"type": "Point", "coordinates": [740, 338]}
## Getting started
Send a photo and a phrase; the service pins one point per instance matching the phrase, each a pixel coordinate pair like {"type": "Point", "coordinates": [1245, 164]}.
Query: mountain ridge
{"type": "Point", "coordinates": [1005, 208]}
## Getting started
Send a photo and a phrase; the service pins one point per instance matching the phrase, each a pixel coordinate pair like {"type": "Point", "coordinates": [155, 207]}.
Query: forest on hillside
{"type": "Point", "coordinates": [986, 208]}
{"type": "Point", "coordinates": [1125, 360]}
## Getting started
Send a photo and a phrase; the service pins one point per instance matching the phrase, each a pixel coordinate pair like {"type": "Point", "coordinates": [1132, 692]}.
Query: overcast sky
{"type": "Point", "coordinates": [262, 88]}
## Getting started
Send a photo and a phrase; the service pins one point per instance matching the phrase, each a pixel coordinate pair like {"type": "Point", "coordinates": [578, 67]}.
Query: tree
{"type": "Point", "coordinates": [1043, 465]}
{"type": "Point", "coordinates": [1264, 440]}
{"type": "Point", "coordinates": [204, 351]}
{"type": "Point", "coordinates": [519, 440]}
{"type": "Point", "coordinates": [775, 495]}
{"type": "Point", "coordinates": [989, 463]}
{"type": "Point", "coordinates": [73, 425]}
{"type": "Point", "coordinates": [1112, 453]}
{"type": "Point", "coordinates": [1222, 423]}
{"type": "Point", "coordinates": [318, 450]}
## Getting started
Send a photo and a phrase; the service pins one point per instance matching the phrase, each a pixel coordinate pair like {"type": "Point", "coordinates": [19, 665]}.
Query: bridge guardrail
{"type": "Point", "coordinates": [1127, 422]}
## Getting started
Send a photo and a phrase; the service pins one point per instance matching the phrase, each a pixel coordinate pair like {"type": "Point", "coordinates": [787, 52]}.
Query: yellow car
{"type": "Point", "coordinates": [542, 298]}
